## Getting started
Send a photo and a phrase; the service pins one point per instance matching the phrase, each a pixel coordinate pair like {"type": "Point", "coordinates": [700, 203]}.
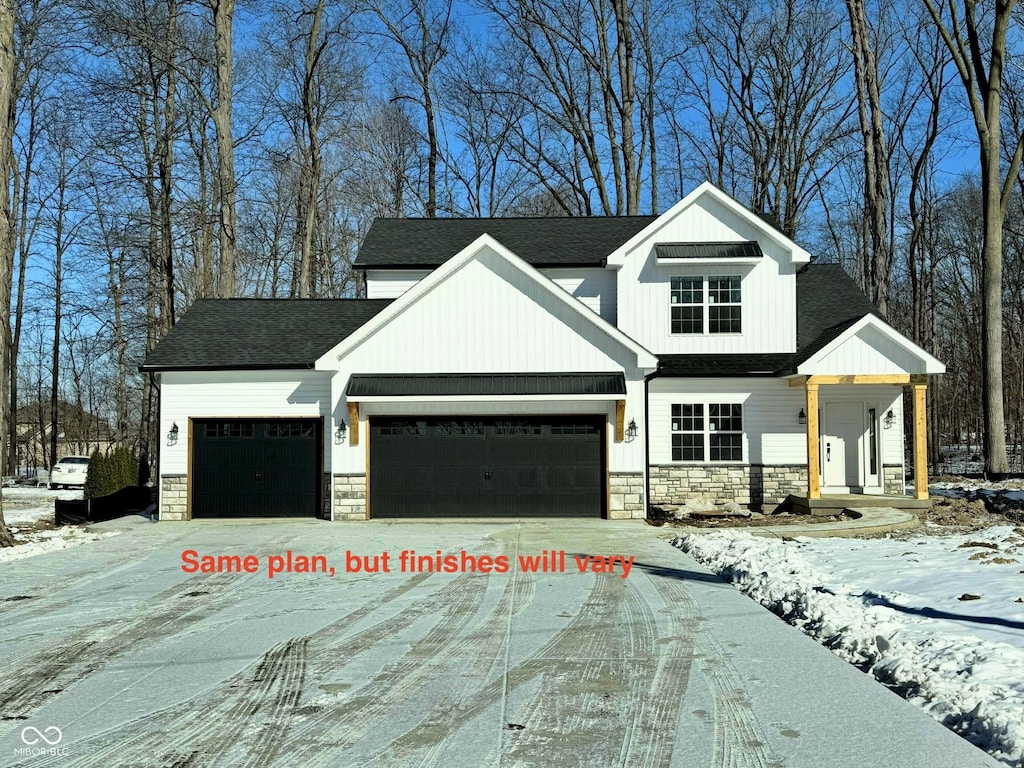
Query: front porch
{"type": "Point", "coordinates": [853, 465]}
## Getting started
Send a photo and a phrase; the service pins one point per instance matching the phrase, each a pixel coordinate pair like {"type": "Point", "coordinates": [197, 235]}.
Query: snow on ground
{"type": "Point", "coordinates": [29, 513]}
{"type": "Point", "coordinates": [940, 619]}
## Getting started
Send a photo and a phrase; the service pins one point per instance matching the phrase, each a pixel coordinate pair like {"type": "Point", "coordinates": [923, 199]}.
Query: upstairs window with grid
{"type": "Point", "coordinates": [687, 305]}
{"type": "Point", "coordinates": [712, 306]}
{"type": "Point", "coordinates": [724, 311]}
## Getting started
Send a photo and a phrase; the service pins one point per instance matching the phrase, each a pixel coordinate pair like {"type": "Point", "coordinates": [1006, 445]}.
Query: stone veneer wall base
{"type": "Point", "coordinates": [349, 497]}
{"type": "Point", "coordinates": [173, 497]}
{"type": "Point", "coordinates": [626, 496]}
{"type": "Point", "coordinates": [893, 482]}
{"type": "Point", "coordinates": [756, 486]}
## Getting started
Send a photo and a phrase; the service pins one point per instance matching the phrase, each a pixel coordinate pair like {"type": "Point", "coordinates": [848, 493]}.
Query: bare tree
{"type": "Point", "coordinates": [875, 155]}
{"type": "Point", "coordinates": [421, 29]}
{"type": "Point", "coordinates": [980, 64]}
{"type": "Point", "coordinates": [223, 15]}
{"type": "Point", "coordinates": [7, 105]}
{"type": "Point", "coordinates": [780, 70]}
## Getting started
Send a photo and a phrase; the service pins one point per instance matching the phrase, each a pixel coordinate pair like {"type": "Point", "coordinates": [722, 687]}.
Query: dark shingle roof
{"type": "Point", "coordinates": [749, 249]}
{"type": "Point", "coordinates": [392, 385]}
{"type": "Point", "coordinates": [225, 334]}
{"type": "Point", "coordinates": [543, 242]}
{"type": "Point", "coordinates": [828, 302]}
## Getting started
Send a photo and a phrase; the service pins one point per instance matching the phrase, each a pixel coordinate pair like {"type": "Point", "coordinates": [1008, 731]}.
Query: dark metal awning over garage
{"type": "Point", "coordinates": [495, 384]}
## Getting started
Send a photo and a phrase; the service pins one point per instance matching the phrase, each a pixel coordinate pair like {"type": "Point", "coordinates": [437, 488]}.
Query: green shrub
{"type": "Point", "coordinates": [111, 472]}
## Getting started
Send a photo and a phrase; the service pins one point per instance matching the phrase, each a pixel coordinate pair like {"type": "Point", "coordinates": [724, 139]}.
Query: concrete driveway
{"type": "Point", "coordinates": [140, 664]}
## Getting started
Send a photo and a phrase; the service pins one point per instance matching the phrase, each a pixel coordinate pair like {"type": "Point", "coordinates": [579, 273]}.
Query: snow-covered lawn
{"type": "Point", "coordinates": [29, 515]}
{"type": "Point", "coordinates": [939, 618]}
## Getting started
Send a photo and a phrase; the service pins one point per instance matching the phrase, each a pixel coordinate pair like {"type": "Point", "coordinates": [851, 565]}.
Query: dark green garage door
{"type": "Point", "coordinates": [475, 467]}
{"type": "Point", "coordinates": [254, 468]}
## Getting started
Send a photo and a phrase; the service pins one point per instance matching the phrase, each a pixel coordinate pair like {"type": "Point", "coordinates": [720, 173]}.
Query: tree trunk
{"type": "Point", "coordinates": [7, 104]}
{"type": "Point", "coordinates": [223, 13]}
{"type": "Point", "coordinates": [876, 158]}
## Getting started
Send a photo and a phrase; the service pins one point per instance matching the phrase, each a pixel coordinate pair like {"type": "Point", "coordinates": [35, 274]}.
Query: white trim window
{"type": "Point", "coordinates": [714, 304]}
{"type": "Point", "coordinates": [712, 430]}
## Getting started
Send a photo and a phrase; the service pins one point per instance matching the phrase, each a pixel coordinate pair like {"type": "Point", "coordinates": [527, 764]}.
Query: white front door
{"type": "Point", "coordinates": [841, 439]}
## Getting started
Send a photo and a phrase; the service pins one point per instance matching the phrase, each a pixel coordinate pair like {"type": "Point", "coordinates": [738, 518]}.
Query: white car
{"type": "Point", "coordinates": [71, 470]}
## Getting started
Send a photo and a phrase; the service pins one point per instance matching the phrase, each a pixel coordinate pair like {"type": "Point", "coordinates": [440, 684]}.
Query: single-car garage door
{"type": "Point", "coordinates": [256, 468]}
{"type": "Point", "coordinates": [482, 467]}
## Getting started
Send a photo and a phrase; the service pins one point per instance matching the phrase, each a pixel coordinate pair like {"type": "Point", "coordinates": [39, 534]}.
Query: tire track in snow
{"type": "Point", "coordinates": [340, 725]}
{"type": "Point", "coordinates": [739, 740]}
{"type": "Point", "coordinates": [479, 655]}
{"type": "Point", "coordinates": [166, 736]}
{"type": "Point", "coordinates": [33, 678]}
{"type": "Point", "coordinates": [587, 687]}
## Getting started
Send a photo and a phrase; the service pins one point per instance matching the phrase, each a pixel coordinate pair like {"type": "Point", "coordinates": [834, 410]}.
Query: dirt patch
{"type": "Point", "coordinates": [962, 515]}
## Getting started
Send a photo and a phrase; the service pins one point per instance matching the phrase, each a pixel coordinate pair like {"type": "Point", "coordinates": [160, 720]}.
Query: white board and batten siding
{"type": "Point", "coordinates": [868, 351]}
{"type": "Point", "coordinates": [768, 288]}
{"type": "Point", "coordinates": [487, 318]}
{"type": "Point", "coordinates": [237, 394]}
{"type": "Point", "coordinates": [597, 288]}
{"type": "Point", "coordinates": [594, 287]}
{"type": "Point", "coordinates": [772, 432]}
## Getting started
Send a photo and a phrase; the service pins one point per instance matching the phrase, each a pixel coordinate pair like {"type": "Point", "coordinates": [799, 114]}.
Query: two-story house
{"type": "Point", "coordinates": [543, 367]}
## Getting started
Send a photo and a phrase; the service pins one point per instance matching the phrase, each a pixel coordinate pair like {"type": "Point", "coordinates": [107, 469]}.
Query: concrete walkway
{"type": "Point", "coordinates": [139, 663]}
{"type": "Point", "coordinates": [871, 520]}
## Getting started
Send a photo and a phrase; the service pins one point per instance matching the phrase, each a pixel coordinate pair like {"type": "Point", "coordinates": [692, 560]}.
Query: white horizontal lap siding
{"type": "Point", "coordinates": [596, 288]}
{"type": "Point", "coordinates": [772, 433]}
{"type": "Point", "coordinates": [391, 283]}
{"type": "Point", "coordinates": [237, 394]}
{"type": "Point", "coordinates": [868, 352]}
{"type": "Point", "coordinates": [486, 318]}
{"type": "Point", "coordinates": [768, 288]}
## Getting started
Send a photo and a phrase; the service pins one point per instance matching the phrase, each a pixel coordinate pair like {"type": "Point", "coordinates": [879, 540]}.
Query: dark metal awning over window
{"type": "Point", "coordinates": [500, 384]}
{"type": "Point", "coordinates": [741, 250]}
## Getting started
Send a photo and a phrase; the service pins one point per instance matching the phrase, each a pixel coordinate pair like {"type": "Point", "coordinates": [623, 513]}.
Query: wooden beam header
{"type": "Point", "coordinates": [900, 379]}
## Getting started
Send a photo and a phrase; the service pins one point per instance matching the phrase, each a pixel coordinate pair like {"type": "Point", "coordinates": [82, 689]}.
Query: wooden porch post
{"type": "Point", "coordinates": [920, 391]}
{"type": "Point", "coordinates": [813, 451]}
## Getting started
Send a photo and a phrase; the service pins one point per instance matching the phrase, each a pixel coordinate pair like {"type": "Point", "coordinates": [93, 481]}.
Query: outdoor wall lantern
{"type": "Point", "coordinates": [172, 436]}
{"type": "Point", "coordinates": [802, 417]}
{"type": "Point", "coordinates": [888, 419]}
{"type": "Point", "coordinates": [339, 433]}
{"type": "Point", "coordinates": [631, 431]}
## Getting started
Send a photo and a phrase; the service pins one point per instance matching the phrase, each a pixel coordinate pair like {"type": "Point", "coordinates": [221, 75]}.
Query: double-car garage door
{"type": "Point", "coordinates": [418, 467]}
{"type": "Point", "coordinates": [487, 467]}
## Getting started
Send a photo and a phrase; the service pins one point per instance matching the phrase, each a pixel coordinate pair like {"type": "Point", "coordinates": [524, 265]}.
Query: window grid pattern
{"type": "Point", "coordinates": [719, 436]}
{"type": "Point", "coordinates": [290, 429]}
{"type": "Point", "coordinates": [687, 304]}
{"type": "Point", "coordinates": [229, 429]}
{"type": "Point", "coordinates": [723, 305]}
{"type": "Point", "coordinates": [688, 432]}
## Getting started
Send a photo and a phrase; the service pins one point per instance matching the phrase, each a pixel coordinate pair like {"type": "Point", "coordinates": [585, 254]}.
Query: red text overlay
{"type": "Point", "coordinates": [405, 561]}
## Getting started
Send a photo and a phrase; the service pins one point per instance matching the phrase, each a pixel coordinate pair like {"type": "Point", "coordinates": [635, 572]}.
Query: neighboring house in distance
{"type": "Point", "coordinates": [543, 367]}
{"type": "Point", "coordinates": [79, 433]}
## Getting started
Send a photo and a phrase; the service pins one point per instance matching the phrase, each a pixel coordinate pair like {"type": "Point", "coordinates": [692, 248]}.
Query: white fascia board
{"type": "Point", "coordinates": [931, 364]}
{"type": "Point", "coordinates": [329, 361]}
{"type": "Point", "coordinates": [797, 254]}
